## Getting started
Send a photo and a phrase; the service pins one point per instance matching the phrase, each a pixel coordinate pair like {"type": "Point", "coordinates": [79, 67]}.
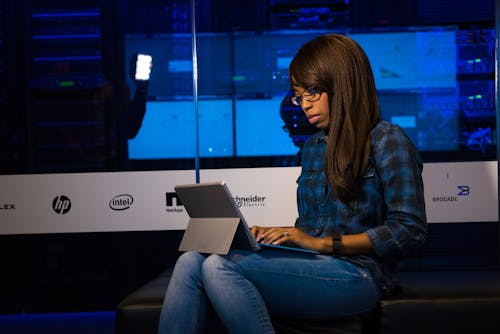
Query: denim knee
{"type": "Point", "coordinates": [211, 265]}
{"type": "Point", "coordinates": [189, 262]}
{"type": "Point", "coordinates": [215, 265]}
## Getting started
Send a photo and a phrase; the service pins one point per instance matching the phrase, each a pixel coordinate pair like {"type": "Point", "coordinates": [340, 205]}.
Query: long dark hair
{"type": "Point", "coordinates": [339, 66]}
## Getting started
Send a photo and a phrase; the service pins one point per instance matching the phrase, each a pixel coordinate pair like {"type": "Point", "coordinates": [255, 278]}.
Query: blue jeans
{"type": "Point", "coordinates": [245, 287]}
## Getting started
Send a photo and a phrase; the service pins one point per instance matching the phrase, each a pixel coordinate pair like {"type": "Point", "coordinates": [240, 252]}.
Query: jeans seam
{"type": "Point", "coordinates": [264, 320]}
{"type": "Point", "coordinates": [195, 321]}
{"type": "Point", "coordinates": [353, 278]}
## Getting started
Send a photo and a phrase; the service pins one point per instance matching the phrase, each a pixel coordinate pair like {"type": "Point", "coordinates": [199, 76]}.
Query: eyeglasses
{"type": "Point", "coordinates": [311, 95]}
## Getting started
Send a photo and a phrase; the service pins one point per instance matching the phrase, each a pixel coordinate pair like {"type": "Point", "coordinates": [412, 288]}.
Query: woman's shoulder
{"type": "Point", "coordinates": [384, 127]}
{"type": "Point", "coordinates": [385, 130]}
{"type": "Point", "coordinates": [389, 139]}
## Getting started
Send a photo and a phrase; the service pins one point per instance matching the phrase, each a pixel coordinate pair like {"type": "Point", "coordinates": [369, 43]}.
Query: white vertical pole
{"type": "Point", "coordinates": [195, 91]}
{"type": "Point", "coordinates": [497, 106]}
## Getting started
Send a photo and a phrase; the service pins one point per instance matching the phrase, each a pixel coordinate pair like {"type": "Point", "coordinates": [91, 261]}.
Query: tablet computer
{"type": "Point", "coordinates": [216, 223]}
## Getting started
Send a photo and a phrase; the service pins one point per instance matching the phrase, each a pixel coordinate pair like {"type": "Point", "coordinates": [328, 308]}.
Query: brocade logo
{"type": "Point", "coordinates": [462, 191]}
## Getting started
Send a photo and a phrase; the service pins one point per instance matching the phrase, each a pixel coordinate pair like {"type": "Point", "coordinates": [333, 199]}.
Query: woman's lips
{"type": "Point", "coordinates": [313, 119]}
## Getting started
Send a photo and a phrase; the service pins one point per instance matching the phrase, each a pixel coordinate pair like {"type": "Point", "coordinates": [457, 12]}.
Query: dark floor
{"type": "Point", "coordinates": [58, 323]}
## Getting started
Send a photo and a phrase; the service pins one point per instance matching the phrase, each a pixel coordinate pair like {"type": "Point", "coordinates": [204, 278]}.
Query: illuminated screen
{"type": "Point", "coordinates": [411, 60]}
{"type": "Point", "coordinates": [172, 72]}
{"type": "Point", "coordinates": [416, 73]}
{"type": "Point", "coordinates": [259, 129]}
{"type": "Point", "coordinates": [168, 130]}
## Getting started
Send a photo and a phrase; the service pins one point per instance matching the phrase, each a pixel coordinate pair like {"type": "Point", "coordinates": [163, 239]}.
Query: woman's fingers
{"type": "Point", "coordinates": [276, 235]}
{"type": "Point", "coordinates": [259, 232]}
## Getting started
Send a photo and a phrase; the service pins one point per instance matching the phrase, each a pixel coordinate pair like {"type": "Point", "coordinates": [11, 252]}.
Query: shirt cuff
{"type": "Point", "coordinates": [382, 241]}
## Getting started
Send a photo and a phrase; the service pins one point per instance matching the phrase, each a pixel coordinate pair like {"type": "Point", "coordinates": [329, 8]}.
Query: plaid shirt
{"type": "Point", "coordinates": [391, 209]}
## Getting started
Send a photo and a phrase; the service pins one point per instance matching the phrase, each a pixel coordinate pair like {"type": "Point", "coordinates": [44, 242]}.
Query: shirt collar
{"type": "Point", "coordinates": [323, 137]}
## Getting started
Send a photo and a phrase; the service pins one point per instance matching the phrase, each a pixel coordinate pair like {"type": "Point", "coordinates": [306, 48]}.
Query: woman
{"type": "Point", "coordinates": [360, 202]}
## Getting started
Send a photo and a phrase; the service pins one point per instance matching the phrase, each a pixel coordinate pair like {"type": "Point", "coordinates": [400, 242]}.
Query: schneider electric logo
{"type": "Point", "coordinates": [121, 202]}
{"type": "Point", "coordinates": [61, 204]}
{"type": "Point", "coordinates": [462, 191]}
{"type": "Point", "coordinates": [249, 201]}
{"type": "Point", "coordinates": [173, 203]}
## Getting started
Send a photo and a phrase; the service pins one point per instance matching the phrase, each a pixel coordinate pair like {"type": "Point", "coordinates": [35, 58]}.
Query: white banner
{"type": "Point", "coordinates": [89, 202]}
{"type": "Point", "coordinates": [139, 201]}
{"type": "Point", "coordinates": [461, 192]}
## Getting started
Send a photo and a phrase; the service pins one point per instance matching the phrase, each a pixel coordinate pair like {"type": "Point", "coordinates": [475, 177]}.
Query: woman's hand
{"type": "Point", "coordinates": [354, 244]}
{"type": "Point", "coordinates": [282, 235]}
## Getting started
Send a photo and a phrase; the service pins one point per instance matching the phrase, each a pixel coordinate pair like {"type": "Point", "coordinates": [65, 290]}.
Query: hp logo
{"type": "Point", "coordinates": [61, 204]}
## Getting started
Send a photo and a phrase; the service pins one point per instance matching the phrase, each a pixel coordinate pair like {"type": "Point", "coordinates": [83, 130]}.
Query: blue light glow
{"type": "Point", "coordinates": [59, 323]}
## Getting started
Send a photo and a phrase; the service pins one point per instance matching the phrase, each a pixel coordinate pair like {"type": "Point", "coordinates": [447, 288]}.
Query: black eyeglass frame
{"type": "Point", "coordinates": [311, 94]}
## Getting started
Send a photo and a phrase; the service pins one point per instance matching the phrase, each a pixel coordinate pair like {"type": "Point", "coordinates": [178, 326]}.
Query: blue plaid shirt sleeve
{"type": "Point", "coordinates": [399, 167]}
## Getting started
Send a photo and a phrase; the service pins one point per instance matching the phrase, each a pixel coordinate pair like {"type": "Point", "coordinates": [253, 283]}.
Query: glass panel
{"type": "Point", "coordinates": [77, 109]}
{"type": "Point", "coordinates": [164, 136]}
{"type": "Point", "coordinates": [434, 70]}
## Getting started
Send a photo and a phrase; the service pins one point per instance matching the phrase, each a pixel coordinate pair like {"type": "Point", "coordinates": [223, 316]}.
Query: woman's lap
{"type": "Point", "coordinates": [306, 285]}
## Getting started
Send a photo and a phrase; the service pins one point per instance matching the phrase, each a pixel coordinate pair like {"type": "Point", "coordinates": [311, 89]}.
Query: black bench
{"type": "Point", "coordinates": [427, 302]}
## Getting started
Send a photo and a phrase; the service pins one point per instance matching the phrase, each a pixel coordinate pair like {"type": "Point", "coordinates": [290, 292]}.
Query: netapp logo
{"type": "Point", "coordinates": [462, 191]}
{"type": "Point", "coordinates": [248, 201]}
{"type": "Point", "coordinates": [7, 206]}
{"type": "Point", "coordinates": [121, 202]}
{"type": "Point", "coordinates": [61, 204]}
{"type": "Point", "coordinates": [170, 198]}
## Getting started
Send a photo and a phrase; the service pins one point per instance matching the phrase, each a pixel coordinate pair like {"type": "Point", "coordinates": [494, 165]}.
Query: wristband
{"type": "Point", "coordinates": [337, 243]}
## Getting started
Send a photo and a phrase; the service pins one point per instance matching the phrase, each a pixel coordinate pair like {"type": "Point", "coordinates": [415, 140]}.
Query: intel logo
{"type": "Point", "coordinates": [121, 202]}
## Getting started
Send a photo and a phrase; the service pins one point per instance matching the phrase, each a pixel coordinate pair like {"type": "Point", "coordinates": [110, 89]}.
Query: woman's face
{"type": "Point", "coordinates": [315, 105]}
